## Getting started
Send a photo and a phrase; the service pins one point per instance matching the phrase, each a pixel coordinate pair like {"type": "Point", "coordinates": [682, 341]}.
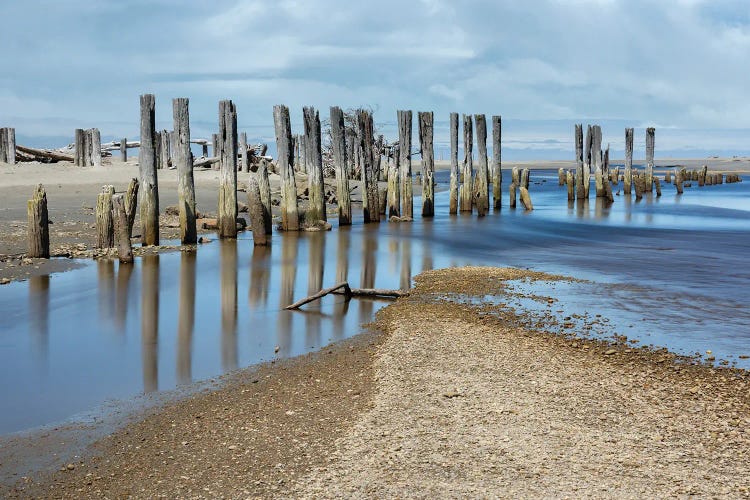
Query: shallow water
{"type": "Point", "coordinates": [670, 271]}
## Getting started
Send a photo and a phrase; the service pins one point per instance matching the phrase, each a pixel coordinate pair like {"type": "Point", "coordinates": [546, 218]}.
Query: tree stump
{"type": "Point", "coordinates": [428, 163]}
{"type": "Point", "coordinates": [283, 129]}
{"type": "Point", "coordinates": [120, 229]}
{"type": "Point", "coordinates": [227, 213]}
{"type": "Point", "coordinates": [454, 183]}
{"type": "Point", "coordinates": [38, 220]}
{"type": "Point", "coordinates": [105, 231]}
{"type": "Point", "coordinates": [149, 188]}
{"type": "Point", "coordinates": [183, 160]}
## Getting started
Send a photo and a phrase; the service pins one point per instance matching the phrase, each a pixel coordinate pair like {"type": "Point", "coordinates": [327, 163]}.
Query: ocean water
{"type": "Point", "coordinates": [669, 271]}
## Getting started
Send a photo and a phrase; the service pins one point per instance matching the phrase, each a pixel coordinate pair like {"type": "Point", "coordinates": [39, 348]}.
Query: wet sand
{"type": "Point", "coordinates": [457, 397]}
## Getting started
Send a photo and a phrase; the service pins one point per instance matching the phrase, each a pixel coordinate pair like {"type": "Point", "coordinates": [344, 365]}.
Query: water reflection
{"type": "Point", "coordinates": [368, 272]}
{"type": "Point", "coordinates": [106, 273]}
{"type": "Point", "coordinates": [39, 316]}
{"type": "Point", "coordinates": [315, 272]}
{"type": "Point", "coordinates": [289, 243]}
{"type": "Point", "coordinates": [150, 322]}
{"type": "Point", "coordinates": [228, 271]}
{"type": "Point", "coordinates": [122, 296]}
{"type": "Point", "coordinates": [341, 306]}
{"type": "Point", "coordinates": [186, 317]}
{"type": "Point", "coordinates": [260, 274]}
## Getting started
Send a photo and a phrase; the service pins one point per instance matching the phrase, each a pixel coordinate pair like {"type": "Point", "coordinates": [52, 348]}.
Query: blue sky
{"type": "Point", "coordinates": [680, 65]}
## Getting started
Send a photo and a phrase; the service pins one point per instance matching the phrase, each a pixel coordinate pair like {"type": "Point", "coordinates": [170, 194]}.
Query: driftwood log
{"type": "Point", "coordinates": [348, 292]}
{"type": "Point", "coordinates": [45, 154]}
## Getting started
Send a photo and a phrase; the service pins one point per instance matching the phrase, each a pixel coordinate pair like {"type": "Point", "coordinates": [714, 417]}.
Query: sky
{"type": "Point", "coordinates": [682, 66]}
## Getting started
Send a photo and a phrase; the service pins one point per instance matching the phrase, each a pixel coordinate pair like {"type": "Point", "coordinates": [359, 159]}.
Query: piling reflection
{"type": "Point", "coordinates": [368, 272]}
{"type": "Point", "coordinates": [105, 269]}
{"type": "Point", "coordinates": [122, 295]}
{"type": "Point", "coordinates": [39, 316]}
{"type": "Point", "coordinates": [427, 230]}
{"type": "Point", "coordinates": [260, 276]}
{"type": "Point", "coordinates": [150, 321]}
{"type": "Point", "coordinates": [341, 306]}
{"type": "Point", "coordinates": [405, 276]}
{"type": "Point", "coordinates": [315, 272]}
{"type": "Point", "coordinates": [186, 317]}
{"type": "Point", "coordinates": [228, 272]}
{"type": "Point", "coordinates": [289, 243]}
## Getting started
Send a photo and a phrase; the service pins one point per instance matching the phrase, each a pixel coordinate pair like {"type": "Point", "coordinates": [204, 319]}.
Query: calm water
{"type": "Point", "coordinates": [670, 271]}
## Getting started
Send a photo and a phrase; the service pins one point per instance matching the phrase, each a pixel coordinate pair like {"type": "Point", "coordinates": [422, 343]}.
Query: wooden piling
{"type": "Point", "coordinates": [628, 180]}
{"type": "Point", "coordinates": [404, 142]}
{"type": "Point", "coordinates": [215, 145]}
{"type": "Point", "coordinates": [227, 213]}
{"type": "Point", "coordinates": [597, 159]}
{"type": "Point", "coordinates": [124, 149]}
{"type": "Point", "coordinates": [149, 188]}
{"type": "Point", "coordinates": [657, 185]}
{"type": "Point", "coordinates": [283, 129]}
{"type": "Point", "coordinates": [588, 159]}
{"type": "Point", "coordinates": [105, 230]}
{"type": "Point", "coordinates": [702, 176]}
{"type": "Point", "coordinates": [394, 194]}
{"type": "Point", "coordinates": [640, 186]}
{"type": "Point", "coordinates": [79, 147]}
{"type": "Point", "coordinates": [668, 177]}
{"type": "Point", "coordinates": [120, 229]}
{"type": "Point", "coordinates": [38, 224]}
{"type": "Point", "coordinates": [525, 178]}
{"type": "Point", "coordinates": [570, 181]}
{"type": "Point", "coordinates": [606, 178]}
{"type": "Point", "coordinates": [204, 150]}
{"type": "Point", "coordinates": [454, 182]}
{"type": "Point", "coordinates": [678, 181]}
{"type": "Point", "coordinates": [580, 190]}
{"type": "Point", "coordinates": [8, 145]}
{"type": "Point", "coordinates": [131, 202]}
{"type": "Point", "coordinates": [338, 144]}
{"type": "Point", "coordinates": [95, 141]}
{"type": "Point", "coordinates": [526, 199]}
{"type": "Point", "coordinates": [244, 153]}
{"type": "Point", "coordinates": [264, 185]}
{"type": "Point", "coordinates": [316, 209]}
{"type": "Point", "coordinates": [255, 210]}
{"type": "Point", "coordinates": [426, 120]}
{"type": "Point", "coordinates": [512, 194]}
{"type": "Point", "coordinates": [497, 170]}
{"type": "Point", "coordinates": [366, 151]}
{"type": "Point", "coordinates": [468, 167]}
{"type": "Point", "coordinates": [481, 181]}
{"type": "Point", "coordinates": [183, 160]}
{"type": "Point", "coordinates": [561, 178]}
{"type": "Point", "coordinates": [650, 139]}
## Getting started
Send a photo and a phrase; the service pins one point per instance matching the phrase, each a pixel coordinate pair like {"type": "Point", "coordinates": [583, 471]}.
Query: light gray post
{"type": "Point", "coordinates": [338, 144]}
{"type": "Point", "coordinates": [454, 186]}
{"type": "Point", "coordinates": [80, 144]}
{"type": "Point", "coordinates": [149, 188]}
{"type": "Point", "coordinates": [96, 147]}
{"type": "Point", "coordinates": [497, 166]}
{"type": "Point", "coordinates": [283, 128]}
{"type": "Point", "coordinates": [124, 149]}
{"type": "Point", "coordinates": [265, 194]}
{"type": "Point", "coordinates": [404, 144]}
{"type": "Point", "coordinates": [227, 213]}
{"type": "Point", "coordinates": [314, 165]}
{"type": "Point", "coordinates": [183, 159]}
{"type": "Point", "coordinates": [468, 168]}
{"type": "Point", "coordinates": [244, 153]}
{"type": "Point", "coordinates": [105, 229]}
{"type": "Point", "coordinates": [650, 139]}
{"type": "Point", "coordinates": [426, 120]}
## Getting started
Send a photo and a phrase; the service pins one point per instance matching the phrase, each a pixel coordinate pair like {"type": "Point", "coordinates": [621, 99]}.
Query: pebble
{"type": "Point", "coordinates": [70, 466]}
{"type": "Point", "coordinates": [4, 281]}
{"type": "Point", "coordinates": [610, 352]}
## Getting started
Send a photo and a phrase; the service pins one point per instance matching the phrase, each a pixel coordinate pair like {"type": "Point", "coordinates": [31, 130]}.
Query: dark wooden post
{"type": "Point", "coordinates": [404, 144]}
{"type": "Point", "coordinates": [370, 199]}
{"type": "Point", "coordinates": [316, 209]}
{"type": "Point", "coordinates": [650, 139]}
{"type": "Point", "coordinates": [120, 227]}
{"type": "Point", "coordinates": [131, 201]}
{"type": "Point", "coordinates": [628, 180]}
{"type": "Point", "coordinates": [454, 186]}
{"type": "Point", "coordinates": [204, 149]}
{"type": "Point", "coordinates": [512, 194]}
{"type": "Point", "coordinates": [283, 129]}
{"type": "Point", "coordinates": [124, 149]}
{"type": "Point", "coordinates": [256, 209]}
{"type": "Point", "coordinates": [588, 158]}
{"type": "Point", "coordinates": [105, 231]}
{"type": "Point", "coordinates": [468, 166]}
{"type": "Point", "coordinates": [244, 153]}
{"type": "Point", "coordinates": [227, 213]}
{"type": "Point", "coordinates": [38, 220]}
{"type": "Point", "coordinates": [481, 182]}
{"type": "Point", "coordinates": [338, 144]}
{"type": "Point", "coordinates": [580, 190]}
{"type": "Point", "coordinates": [149, 188]}
{"type": "Point", "coordinates": [596, 159]}
{"type": "Point", "coordinates": [497, 166]}
{"type": "Point", "coordinates": [184, 162]}
{"type": "Point", "coordinates": [80, 144]}
{"type": "Point", "coordinates": [426, 119]}
{"type": "Point", "coordinates": [215, 145]}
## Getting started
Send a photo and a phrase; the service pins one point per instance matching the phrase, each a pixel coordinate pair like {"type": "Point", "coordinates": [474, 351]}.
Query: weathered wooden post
{"type": "Point", "coordinates": [338, 145]}
{"type": "Point", "coordinates": [204, 149]}
{"type": "Point", "coordinates": [244, 153]}
{"type": "Point", "coordinates": [80, 144]}
{"type": "Point", "coordinates": [497, 170]}
{"type": "Point", "coordinates": [481, 181]}
{"type": "Point", "coordinates": [165, 149]}
{"type": "Point", "coordinates": [283, 129]}
{"type": "Point", "coordinates": [227, 213]}
{"type": "Point", "coordinates": [526, 199]}
{"type": "Point", "coordinates": [640, 186]}
{"type": "Point", "coordinates": [38, 220]}
{"type": "Point", "coordinates": [8, 145]}
{"type": "Point", "coordinates": [184, 163]}
{"type": "Point", "coordinates": [131, 201]}
{"type": "Point", "coordinates": [426, 119]}
{"type": "Point", "coordinates": [394, 193]}
{"type": "Point", "coordinates": [404, 141]}
{"type": "Point", "coordinates": [525, 174]}
{"type": "Point", "coordinates": [580, 191]}
{"type": "Point", "coordinates": [589, 161]}
{"type": "Point", "coordinates": [702, 176]}
{"type": "Point", "coordinates": [678, 181]}
{"type": "Point", "coordinates": [120, 227]}
{"type": "Point", "coordinates": [149, 188]}
{"type": "Point", "coordinates": [628, 180]}
{"type": "Point", "coordinates": [316, 209]}
{"type": "Point", "coordinates": [366, 151]}
{"type": "Point", "coordinates": [597, 160]}
{"type": "Point", "coordinates": [265, 194]}
{"type": "Point", "coordinates": [124, 149]}
{"type": "Point", "coordinates": [606, 178]}
{"type": "Point", "coordinates": [512, 194]}
{"type": "Point", "coordinates": [468, 167]}
{"type": "Point", "coordinates": [561, 179]}
{"type": "Point", "coordinates": [215, 145]}
{"type": "Point", "coordinates": [95, 141]}
{"type": "Point", "coordinates": [105, 231]}
{"type": "Point", "coordinates": [515, 175]}
{"type": "Point", "coordinates": [657, 184]}
{"type": "Point", "coordinates": [668, 177]}
{"type": "Point", "coordinates": [256, 209]}
{"type": "Point", "coordinates": [454, 185]}
{"type": "Point", "coordinates": [570, 181]}
{"type": "Point", "coordinates": [650, 139]}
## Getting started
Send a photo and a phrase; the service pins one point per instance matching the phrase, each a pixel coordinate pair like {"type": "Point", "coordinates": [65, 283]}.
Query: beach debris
{"type": "Point", "coordinates": [344, 289]}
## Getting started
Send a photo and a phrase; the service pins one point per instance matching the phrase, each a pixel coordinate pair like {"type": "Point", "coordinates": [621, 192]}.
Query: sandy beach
{"type": "Point", "coordinates": [454, 396]}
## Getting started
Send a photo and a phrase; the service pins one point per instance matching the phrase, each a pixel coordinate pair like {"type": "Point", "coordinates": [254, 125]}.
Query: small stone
{"type": "Point", "coordinates": [232, 447]}
{"type": "Point", "coordinates": [70, 466]}
{"type": "Point", "coordinates": [4, 281]}
{"type": "Point", "coordinates": [610, 352]}
{"type": "Point", "coordinates": [276, 349]}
